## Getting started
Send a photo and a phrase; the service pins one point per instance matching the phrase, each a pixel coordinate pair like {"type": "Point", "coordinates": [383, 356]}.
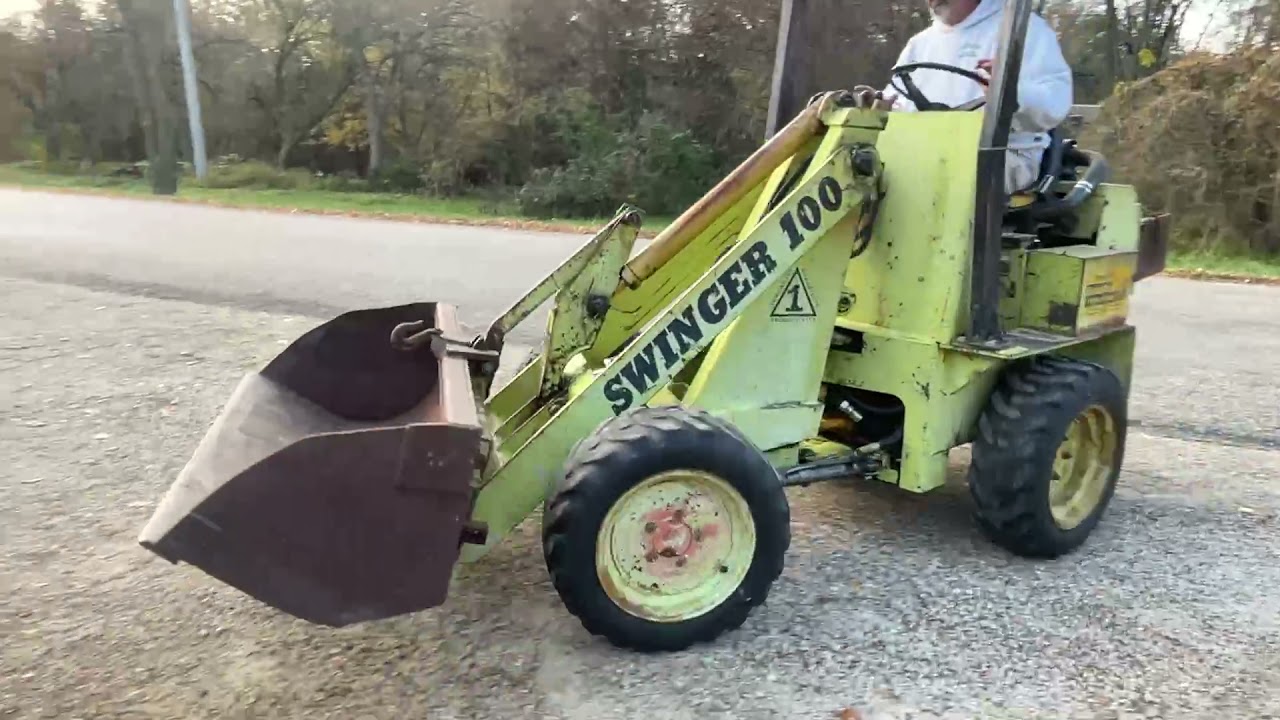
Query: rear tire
{"type": "Point", "coordinates": [1048, 453]}
{"type": "Point", "coordinates": [667, 529]}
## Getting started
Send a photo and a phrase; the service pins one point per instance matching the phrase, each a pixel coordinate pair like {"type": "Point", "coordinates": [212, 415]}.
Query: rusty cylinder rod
{"type": "Point", "coordinates": [726, 194]}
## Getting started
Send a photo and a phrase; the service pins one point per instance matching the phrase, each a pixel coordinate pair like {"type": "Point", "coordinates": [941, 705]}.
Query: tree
{"type": "Point", "coordinates": [402, 50]}
{"type": "Point", "coordinates": [148, 25]}
{"type": "Point", "coordinates": [310, 68]}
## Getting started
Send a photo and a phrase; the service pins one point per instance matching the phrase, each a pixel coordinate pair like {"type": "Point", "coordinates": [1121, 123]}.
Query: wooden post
{"type": "Point", "coordinates": [792, 66]}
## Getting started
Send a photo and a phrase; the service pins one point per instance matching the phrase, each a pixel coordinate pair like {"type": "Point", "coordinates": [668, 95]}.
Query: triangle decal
{"type": "Point", "coordinates": [796, 301]}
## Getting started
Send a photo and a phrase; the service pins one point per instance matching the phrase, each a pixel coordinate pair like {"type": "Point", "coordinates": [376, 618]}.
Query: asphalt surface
{"type": "Point", "coordinates": [308, 264]}
{"type": "Point", "coordinates": [125, 324]}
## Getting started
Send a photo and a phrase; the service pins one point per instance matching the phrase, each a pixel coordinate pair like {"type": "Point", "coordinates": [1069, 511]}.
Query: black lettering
{"type": "Point", "coordinates": [793, 233]}
{"type": "Point", "coordinates": [794, 292]}
{"type": "Point", "coordinates": [734, 287]}
{"type": "Point", "coordinates": [711, 305]}
{"type": "Point", "coordinates": [759, 263]}
{"type": "Point", "coordinates": [618, 395]}
{"type": "Point", "coordinates": [642, 372]}
{"type": "Point", "coordinates": [830, 193]}
{"type": "Point", "coordinates": [686, 330]}
{"type": "Point", "coordinates": [810, 213]}
{"type": "Point", "coordinates": [663, 341]}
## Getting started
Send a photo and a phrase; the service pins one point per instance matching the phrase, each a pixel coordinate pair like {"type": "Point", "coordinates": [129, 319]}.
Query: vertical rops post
{"type": "Point", "coordinates": [984, 304]}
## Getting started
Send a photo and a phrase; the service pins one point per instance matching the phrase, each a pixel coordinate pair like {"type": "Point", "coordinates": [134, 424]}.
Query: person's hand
{"type": "Point", "coordinates": [985, 67]}
{"type": "Point", "coordinates": [870, 98]}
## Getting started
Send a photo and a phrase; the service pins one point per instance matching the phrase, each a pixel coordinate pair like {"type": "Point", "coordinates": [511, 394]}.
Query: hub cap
{"type": "Point", "coordinates": [1082, 467]}
{"type": "Point", "coordinates": [675, 546]}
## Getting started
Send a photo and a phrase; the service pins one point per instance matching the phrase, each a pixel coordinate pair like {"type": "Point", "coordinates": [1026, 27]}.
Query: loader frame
{"type": "Point", "coordinates": [851, 303]}
{"type": "Point", "coordinates": [927, 308]}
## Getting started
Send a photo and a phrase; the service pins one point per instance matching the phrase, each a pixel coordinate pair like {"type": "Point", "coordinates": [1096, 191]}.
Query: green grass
{"type": "Point", "coordinates": [1224, 264]}
{"type": "Point", "coordinates": [501, 210]}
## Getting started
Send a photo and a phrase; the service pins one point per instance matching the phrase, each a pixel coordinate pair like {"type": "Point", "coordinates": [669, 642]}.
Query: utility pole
{"type": "Point", "coordinates": [792, 65]}
{"type": "Point", "coordinates": [182, 18]}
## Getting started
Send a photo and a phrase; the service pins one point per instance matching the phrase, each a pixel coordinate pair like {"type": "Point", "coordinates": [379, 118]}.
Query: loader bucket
{"type": "Point", "coordinates": [337, 483]}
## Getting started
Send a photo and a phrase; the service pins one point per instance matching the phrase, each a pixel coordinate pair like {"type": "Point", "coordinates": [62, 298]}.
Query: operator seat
{"type": "Point", "coordinates": [1052, 170]}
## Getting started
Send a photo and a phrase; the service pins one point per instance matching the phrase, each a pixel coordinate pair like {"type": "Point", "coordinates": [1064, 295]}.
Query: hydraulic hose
{"type": "Point", "coordinates": [1098, 172]}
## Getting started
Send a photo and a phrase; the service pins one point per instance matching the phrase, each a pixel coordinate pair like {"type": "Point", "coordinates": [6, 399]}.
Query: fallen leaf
{"type": "Point", "coordinates": [849, 714]}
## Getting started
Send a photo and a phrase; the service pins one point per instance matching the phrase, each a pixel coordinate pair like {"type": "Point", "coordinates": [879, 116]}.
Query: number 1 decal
{"type": "Point", "coordinates": [796, 301]}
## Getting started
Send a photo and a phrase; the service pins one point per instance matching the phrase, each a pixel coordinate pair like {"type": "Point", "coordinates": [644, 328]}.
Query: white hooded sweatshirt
{"type": "Point", "coordinates": [1044, 87]}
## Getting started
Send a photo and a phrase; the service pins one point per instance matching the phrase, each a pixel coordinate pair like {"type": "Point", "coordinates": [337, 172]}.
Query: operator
{"type": "Point", "coordinates": [966, 34]}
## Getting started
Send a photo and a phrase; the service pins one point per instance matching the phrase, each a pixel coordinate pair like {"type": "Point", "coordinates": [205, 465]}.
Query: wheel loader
{"type": "Point", "coordinates": [855, 300]}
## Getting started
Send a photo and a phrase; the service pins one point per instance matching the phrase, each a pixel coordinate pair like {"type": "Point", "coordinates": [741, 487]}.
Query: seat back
{"type": "Point", "coordinates": [1051, 163]}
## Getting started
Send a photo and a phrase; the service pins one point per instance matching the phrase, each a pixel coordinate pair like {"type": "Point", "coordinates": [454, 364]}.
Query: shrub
{"type": "Point", "coordinates": [401, 176]}
{"type": "Point", "coordinates": [1200, 139]}
{"type": "Point", "coordinates": [654, 165]}
{"type": "Point", "coordinates": [583, 188]}
{"type": "Point", "coordinates": [257, 175]}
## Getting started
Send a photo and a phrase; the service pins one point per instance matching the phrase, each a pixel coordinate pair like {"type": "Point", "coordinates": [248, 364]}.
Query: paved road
{"type": "Point", "coordinates": [124, 324]}
{"type": "Point", "coordinates": [308, 264]}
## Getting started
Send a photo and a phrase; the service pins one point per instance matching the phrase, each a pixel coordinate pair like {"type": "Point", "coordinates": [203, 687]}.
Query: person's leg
{"type": "Point", "coordinates": [1021, 169]}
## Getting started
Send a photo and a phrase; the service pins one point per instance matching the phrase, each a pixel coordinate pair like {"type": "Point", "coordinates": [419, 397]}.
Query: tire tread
{"type": "Point", "coordinates": [1018, 435]}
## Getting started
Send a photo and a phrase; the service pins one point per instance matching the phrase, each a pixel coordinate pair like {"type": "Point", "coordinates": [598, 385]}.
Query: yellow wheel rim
{"type": "Point", "coordinates": [675, 546]}
{"type": "Point", "coordinates": [1083, 467]}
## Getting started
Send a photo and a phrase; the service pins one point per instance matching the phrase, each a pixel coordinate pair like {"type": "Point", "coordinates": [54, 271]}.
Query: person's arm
{"type": "Point", "coordinates": [1045, 86]}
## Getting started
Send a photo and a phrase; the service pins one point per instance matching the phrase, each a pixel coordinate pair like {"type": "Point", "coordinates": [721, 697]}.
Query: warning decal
{"type": "Point", "coordinates": [796, 302]}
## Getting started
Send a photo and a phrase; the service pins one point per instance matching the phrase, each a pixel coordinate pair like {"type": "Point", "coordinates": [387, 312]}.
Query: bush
{"type": "Point", "coordinates": [256, 175]}
{"type": "Point", "coordinates": [1200, 139]}
{"type": "Point", "coordinates": [401, 176]}
{"type": "Point", "coordinates": [583, 188]}
{"type": "Point", "coordinates": [655, 166]}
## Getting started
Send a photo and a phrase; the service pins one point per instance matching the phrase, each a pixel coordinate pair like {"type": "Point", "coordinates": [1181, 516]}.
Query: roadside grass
{"type": "Point", "coordinates": [492, 210]}
{"type": "Point", "coordinates": [486, 210]}
{"type": "Point", "coordinates": [1217, 264]}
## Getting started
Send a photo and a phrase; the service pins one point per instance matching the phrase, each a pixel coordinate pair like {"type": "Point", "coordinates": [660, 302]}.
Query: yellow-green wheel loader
{"type": "Point", "coordinates": [855, 300]}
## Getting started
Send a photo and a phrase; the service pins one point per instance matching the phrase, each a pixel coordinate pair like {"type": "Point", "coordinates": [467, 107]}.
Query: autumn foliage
{"type": "Point", "coordinates": [1201, 139]}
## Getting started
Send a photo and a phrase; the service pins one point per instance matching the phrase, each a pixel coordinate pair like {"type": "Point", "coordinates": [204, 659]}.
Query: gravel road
{"type": "Point", "coordinates": [118, 347]}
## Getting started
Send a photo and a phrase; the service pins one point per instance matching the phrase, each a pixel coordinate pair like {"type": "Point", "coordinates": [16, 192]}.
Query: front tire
{"type": "Point", "coordinates": [1048, 453]}
{"type": "Point", "coordinates": [667, 529]}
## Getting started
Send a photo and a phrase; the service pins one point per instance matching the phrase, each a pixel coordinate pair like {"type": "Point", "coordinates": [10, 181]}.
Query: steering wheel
{"type": "Point", "coordinates": [912, 92]}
